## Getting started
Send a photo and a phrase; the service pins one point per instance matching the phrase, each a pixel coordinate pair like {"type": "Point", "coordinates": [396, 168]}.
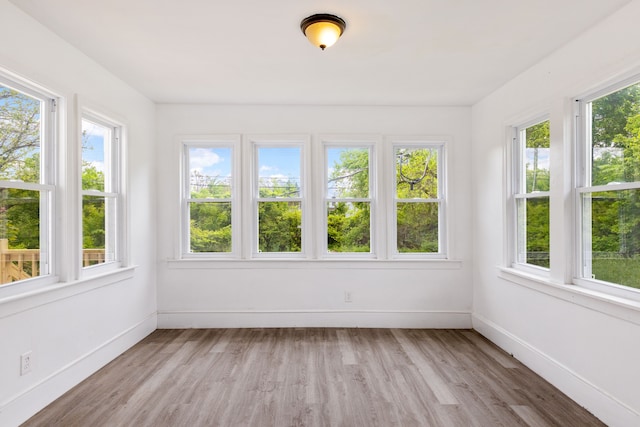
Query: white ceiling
{"type": "Point", "coordinates": [402, 52]}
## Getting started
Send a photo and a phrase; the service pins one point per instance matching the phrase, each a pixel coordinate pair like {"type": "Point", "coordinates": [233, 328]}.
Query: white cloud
{"type": "Point", "coordinates": [97, 165]}
{"type": "Point", "coordinates": [266, 168]}
{"type": "Point", "coordinates": [202, 158]}
{"type": "Point", "coordinates": [92, 129]}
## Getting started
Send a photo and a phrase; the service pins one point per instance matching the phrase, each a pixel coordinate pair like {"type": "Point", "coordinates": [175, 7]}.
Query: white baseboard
{"type": "Point", "coordinates": [23, 406]}
{"type": "Point", "coordinates": [314, 318]}
{"type": "Point", "coordinates": [597, 401]}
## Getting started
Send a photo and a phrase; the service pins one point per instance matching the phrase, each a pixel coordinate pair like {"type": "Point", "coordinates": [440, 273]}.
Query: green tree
{"type": "Point", "coordinates": [615, 215]}
{"type": "Point", "coordinates": [349, 223]}
{"type": "Point", "coordinates": [417, 178]}
{"type": "Point", "coordinates": [210, 222]}
{"type": "Point", "coordinates": [279, 222]}
{"type": "Point", "coordinates": [628, 202]}
{"type": "Point", "coordinates": [19, 132]}
{"type": "Point", "coordinates": [19, 160]}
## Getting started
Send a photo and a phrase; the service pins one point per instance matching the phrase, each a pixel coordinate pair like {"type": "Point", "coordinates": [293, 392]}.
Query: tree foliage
{"type": "Point", "coordinates": [417, 178]}
{"type": "Point", "coordinates": [349, 220]}
{"type": "Point", "coordinates": [20, 161]}
{"type": "Point", "coordinates": [19, 133]}
{"type": "Point", "coordinates": [615, 215]}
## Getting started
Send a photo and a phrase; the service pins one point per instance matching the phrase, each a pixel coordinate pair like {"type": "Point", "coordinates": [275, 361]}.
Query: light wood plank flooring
{"type": "Point", "coordinates": [314, 377]}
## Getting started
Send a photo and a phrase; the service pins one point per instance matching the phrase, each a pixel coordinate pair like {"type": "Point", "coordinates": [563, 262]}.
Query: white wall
{"type": "Point", "coordinates": [311, 293]}
{"type": "Point", "coordinates": [73, 329]}
{"type": "Point", "coordinates": [586, 345]}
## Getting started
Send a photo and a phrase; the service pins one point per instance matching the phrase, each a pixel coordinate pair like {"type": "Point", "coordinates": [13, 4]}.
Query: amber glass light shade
{"type": "Point", "coordinates": [323, 30]}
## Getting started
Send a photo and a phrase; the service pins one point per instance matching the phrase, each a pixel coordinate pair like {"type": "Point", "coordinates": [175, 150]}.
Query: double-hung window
{"type": "Point", "coordinates": [102, 204]}
{"type": "Point", "coordinates": [418, 199]}
{"type": "Point", "coordinates": [531, 181]}
{"type": "Point", "coordinates": [608, 189]}
{"type": "Point", "coordinates": [348, 196]}
{"type": "Point", "coordinates": [210, 194]}
{"type": "Point", "coordinates": [27, 182]}
{"type": "Point", "coordinates": [280, 215]}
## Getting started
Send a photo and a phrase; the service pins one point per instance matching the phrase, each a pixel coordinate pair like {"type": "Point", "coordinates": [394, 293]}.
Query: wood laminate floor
{"type": "Point", "coordinates": [314, 377]}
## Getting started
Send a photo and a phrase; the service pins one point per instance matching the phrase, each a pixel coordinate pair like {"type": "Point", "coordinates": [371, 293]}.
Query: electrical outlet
{"type": "Point", "coordinates": [347, 296]}
{"type": "Point", "coordinates": [25, 363]}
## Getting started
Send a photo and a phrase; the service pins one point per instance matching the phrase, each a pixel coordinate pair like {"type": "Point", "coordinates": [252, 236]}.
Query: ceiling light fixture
{"type": "Point", "coordinates": [323, 29]}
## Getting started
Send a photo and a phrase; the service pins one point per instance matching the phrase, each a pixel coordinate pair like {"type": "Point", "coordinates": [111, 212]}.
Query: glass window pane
{"type": "Point", "coordinates": [20, 139]}
{"type": "Point", "coordinates": [210, 173]}
{"type": "Point", "coordinates": [615, 137]}
{"type": "Point", "coordinates": [96, 141]}
{"type": "Point", "coordinates": [19, 234]}
{"type": "Point", "coordinates": [533, 224]}
{"type": "Point", "coordinates": [417, 227]}
{"type": "Point", "coordinates": [98, 215]}
{"type": "Point", "coordinates": [279, 226]}
{"type": "Point", "coordinates": [536, 161]}
{"type": "Point", "coordinates": [348, 173]}
{"type": "Point", "coordinates": [612, 230]}
{"type": "Point", "coordinates": [349, 227]}
{"type": "Point", "coordinates": [210, 227]}
{"type": "Point", "coordinates": [416, 173]}
{"type": "Point", "coordinates": [279, 173]}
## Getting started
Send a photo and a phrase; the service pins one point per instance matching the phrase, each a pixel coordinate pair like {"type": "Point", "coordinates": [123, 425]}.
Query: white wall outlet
{"type": "Point", "coordinates": [347, 296]}
{"type": "Point", "coordinates": [25, 362]}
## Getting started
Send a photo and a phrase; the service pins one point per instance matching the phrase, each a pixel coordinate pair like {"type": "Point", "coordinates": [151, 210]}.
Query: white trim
{"type": "Point", "coordinates": [610, 187]}
{"type": "Point", "coordinates": [372, 144]}
{"type": "Point", "coordinates": [516, 192]}
{"type": "Point", "coordinates": [314, 318]}
{"type": "Point", "coordinates": [48, 186]}
{"type": "Point", "coordinates": [17, 302]}
{"type": "Point", "coordinates": [614, 306]}
{"type": "Point", "coordinates": [252, 197]}
{"type": "Point", "coordinates": [610, 86]}
{"type": "Point", "coordinates": [305, 264]}
{"type": "Point", "coordinates": [608, 288]}
{"type": "Point", "coordinates": [233, 142]}
{"type": "Point", "coordinates": [603, 405]}
{"type": "Point", "coordinates": [583, 161]}
{"type": "Point", "coordinates": [17, 409]}
{"type": "Point", "coordinates": [440, 144]}
{"type": "Point", "coordinates": [115, 179]}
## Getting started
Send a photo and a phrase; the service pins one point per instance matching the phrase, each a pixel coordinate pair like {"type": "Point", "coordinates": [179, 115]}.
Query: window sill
{"type": "Point", "coordinates": [621, 308]}
{"type": "Point", "coordinates": [303, 264]}
{"type": "Point", "coordinates": [47, 294]}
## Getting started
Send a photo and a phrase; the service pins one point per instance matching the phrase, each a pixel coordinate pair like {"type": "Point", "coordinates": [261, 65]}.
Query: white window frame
{"type": "Point", "coordinates": [251, 145]}
{"type": "Point", "coordinates": [371, 143]}
{"type": "Point", "coordinates": [47, 185]}
{"type": "Point", "coordinates": [440, 144]}
{"type": "Point", "coordinates": [517, 193]}
{"type": "Point", "coordinates": [211, 141]}
{"type": "Point", "coordinates": [583, 186]}
{"type": "Point", "coordinates": [115, 221]}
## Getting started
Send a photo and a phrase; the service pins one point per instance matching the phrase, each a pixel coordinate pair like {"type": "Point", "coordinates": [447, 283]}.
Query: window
{"type": "Point", "coordinates": [419, 199]}
{"type": "Point", "coordinates": [101, 193]}
{"type": "Point", "coordinates": [210, 194]}
{"type": "Point", "coordinates": [531, 194]}
{"type": "Point", "coordinates": [27, 190]}
{"type": "Point", "coordinates": [270, 214]}
{"type": "Point", "coordinates": [279, 198]}
{"type": "Point", "coordinates": [609, 187]}
{"type": "Point", "coordinates": [348, 199]}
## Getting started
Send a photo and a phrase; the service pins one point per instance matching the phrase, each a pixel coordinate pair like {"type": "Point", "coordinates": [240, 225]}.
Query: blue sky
{"type": "Point", "coordinates": [210, 161]}
{"type": "Point", "coordinates": [93, 144]}
{"type": "Point", "coordinates": [273, 162]}
{"type": "Point", "coordinates": [279, 162]}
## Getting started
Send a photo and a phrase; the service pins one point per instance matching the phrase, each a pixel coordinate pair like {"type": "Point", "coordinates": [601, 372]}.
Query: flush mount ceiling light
{"type": "Point", "coordinates": [323, 29]}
